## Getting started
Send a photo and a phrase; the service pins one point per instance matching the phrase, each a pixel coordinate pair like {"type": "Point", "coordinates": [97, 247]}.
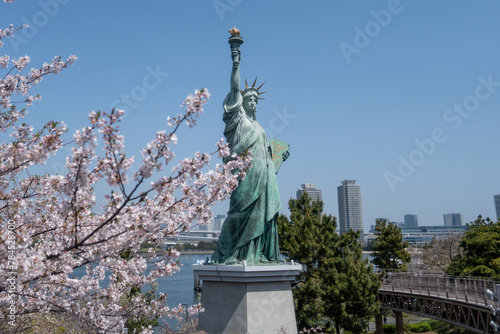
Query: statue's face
{"type": "Point", "coordinates": [250, 104]}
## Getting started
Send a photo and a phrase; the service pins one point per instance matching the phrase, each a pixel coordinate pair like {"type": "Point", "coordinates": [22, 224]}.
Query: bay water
{"type": "Point", "coordinates": [180, 286]}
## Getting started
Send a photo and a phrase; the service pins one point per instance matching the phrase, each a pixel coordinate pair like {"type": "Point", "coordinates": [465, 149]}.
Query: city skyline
{"type": "Point", "coordinates": [403, 99]}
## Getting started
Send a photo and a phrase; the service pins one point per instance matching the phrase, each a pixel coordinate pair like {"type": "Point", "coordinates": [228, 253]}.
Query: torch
{"type": "Point", "coordinates": [235, 40]}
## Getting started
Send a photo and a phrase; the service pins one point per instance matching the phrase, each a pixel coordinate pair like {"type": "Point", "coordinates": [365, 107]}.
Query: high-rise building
{"type": "Point", "coordinates": [497, 205]}
{"type": "Point", "coordinates": [411, 220]}
{"type": "Point", "coordinates": [350, 208]}
{"type": "Point", "coordinates": [310, 189]}
{"type": "Point", "coordinates": [453, 219]}
{"type": "Point", "coordinates": [218, 221]}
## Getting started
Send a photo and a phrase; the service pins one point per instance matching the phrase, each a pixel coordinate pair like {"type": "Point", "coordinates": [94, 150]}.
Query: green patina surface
{"type": "Point", "coordinates": [249, 232]}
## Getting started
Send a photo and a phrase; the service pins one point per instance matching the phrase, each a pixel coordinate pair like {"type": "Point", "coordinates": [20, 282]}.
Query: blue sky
{"type": "Point", "coordinates": [402, 96]}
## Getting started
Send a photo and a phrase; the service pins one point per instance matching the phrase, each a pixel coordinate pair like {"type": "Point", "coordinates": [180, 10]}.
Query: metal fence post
{"type": "Point", "coordinates": [498, 296]}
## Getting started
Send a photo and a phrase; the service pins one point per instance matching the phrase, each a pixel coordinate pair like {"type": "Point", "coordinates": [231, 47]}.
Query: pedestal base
{"type": "Point", "coordinates": [252, 299]}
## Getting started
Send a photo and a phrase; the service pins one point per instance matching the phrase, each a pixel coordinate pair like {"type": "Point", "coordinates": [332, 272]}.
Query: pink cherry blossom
{"type": "Point", "coordinates": [52, 224]}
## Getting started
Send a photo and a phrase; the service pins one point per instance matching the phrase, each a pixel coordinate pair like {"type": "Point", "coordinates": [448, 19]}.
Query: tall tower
{"type": "Point", "coordinates": [350, 209]}
{"type": "Point", "coordinates": [310, 189]}
{"type": "Point", "coordinates": [497, 205]}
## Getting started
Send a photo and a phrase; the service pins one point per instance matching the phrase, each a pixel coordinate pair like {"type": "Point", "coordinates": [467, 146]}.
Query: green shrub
{"type": "Point", "coordinates": [419, 327]}
{"type": "Point", "coordinates": [444, 328]}
{"type": "Point", "coordinates": [390, 329]}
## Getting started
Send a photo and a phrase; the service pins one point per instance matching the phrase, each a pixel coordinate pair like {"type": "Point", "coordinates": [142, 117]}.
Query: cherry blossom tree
{"type": "Point", "coordinates": [51, 225]}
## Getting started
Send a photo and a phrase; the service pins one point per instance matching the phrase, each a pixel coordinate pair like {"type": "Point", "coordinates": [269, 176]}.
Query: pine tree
{"type": "Point", "coordinates": [338, 289]}
{"type": "Point", "coordinates": [389, 251]}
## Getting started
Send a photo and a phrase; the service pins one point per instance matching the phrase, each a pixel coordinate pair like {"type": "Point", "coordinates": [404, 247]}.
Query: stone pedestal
{"type": "Point", "coordinates": [247, 299]}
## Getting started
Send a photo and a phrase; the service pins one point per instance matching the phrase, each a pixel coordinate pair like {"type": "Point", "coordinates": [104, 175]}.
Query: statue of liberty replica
{"type": "Point", "coordinates": [249, 234]}
{"type": "Point", "coordinates": [246, 289]}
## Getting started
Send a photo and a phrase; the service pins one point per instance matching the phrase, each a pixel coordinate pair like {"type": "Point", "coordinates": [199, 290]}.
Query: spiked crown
{"type": "Point", "coordinates": [252, 90]}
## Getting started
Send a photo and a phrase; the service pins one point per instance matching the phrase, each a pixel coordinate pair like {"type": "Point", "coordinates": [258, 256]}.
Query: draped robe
{"type": "Point", "coordinates": [249, 232]}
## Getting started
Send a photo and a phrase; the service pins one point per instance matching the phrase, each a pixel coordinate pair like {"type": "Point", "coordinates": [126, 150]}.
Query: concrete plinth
{"type": "Point", "coordinates": [247, 299]}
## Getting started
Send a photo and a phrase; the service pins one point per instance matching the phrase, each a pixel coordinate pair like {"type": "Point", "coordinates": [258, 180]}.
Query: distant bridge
{"type": "Point", "coordinates": [214, 234]}
{"type": "Point", "coordinates": [469, 303]}
{"type": "Point", "coordinates": [192, 236]}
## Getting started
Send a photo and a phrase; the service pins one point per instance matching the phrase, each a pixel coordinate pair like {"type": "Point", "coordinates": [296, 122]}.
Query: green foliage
{"type": "Point", "coordinates": [481, 251]}
{"type": "Point", "coordinates": [179, 247]}
{"type": "Point", "coordinates": [420, 327]}
{"type": "Point", "coordinates": [202, 245]}
{"type": "Point", "coordinates": [189, 246]}
{"type": "Point", "coordinates": [338, 288]}
{"type": "Point", "coordinates": [441, 327]}
{"type": "Point", "coordinates": [207, 245]}
{"type": "Point", "coordinates": [369, 245]}
{"type": "Point", "coordinates": [389, 329]}
{"type": "Point", "coordinates": [389, 250]}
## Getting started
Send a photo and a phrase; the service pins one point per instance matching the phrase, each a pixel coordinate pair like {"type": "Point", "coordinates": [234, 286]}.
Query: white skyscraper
{"type": "Point", "coordinates": [350, 208]}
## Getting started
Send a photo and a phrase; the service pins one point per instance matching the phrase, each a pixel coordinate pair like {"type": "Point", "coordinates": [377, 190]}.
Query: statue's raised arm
{"type": "Point", "coordinates": [235, 41]}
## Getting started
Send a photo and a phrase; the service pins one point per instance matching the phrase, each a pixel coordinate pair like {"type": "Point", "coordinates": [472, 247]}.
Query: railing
{"type": "Point", "coordinates": [471, 303]}
{"type": "Point", "coordinates": [462, 289]}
